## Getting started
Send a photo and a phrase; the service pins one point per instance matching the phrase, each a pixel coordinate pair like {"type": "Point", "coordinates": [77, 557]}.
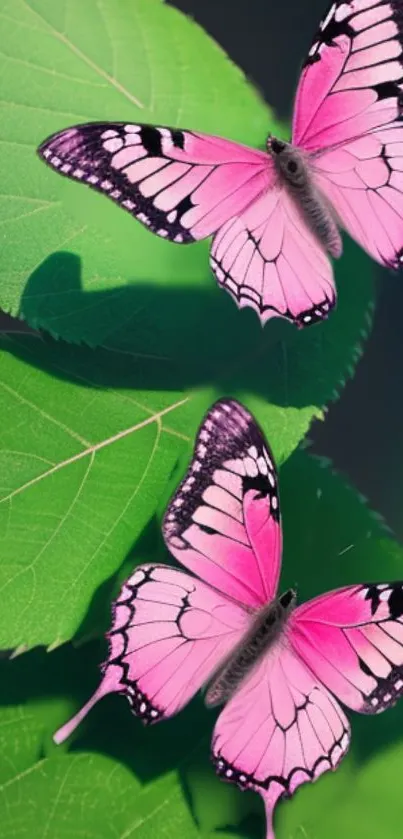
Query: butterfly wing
{"type": "Point", "coordinates": [170, 632]}
{"type": "Point", "coordinates": [223, 523]}
{"type": "Point", "coordinates": [352, 639]}
{"type": "Point", "coordinates": [182, 185]}
{"type": "Point", "coordinates": [348, 117]}
{"type": "Point", "coordinates": [268, 258]}
{"type": "Point", "coordinates": [281, 729]}
{"type": "Point", "coordinates": [185, 186]}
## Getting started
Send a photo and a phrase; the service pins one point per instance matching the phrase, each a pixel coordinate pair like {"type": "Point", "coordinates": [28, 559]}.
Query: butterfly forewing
{"type": "Point", "coordinates": [223, 522]}
{"type": "Point", "coordinates": [182, 185]}
{"type": "Point", "coordinates": [348, 115]}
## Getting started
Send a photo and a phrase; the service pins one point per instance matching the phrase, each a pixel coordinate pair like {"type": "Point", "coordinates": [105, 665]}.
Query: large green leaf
{"type": "Point", "coordinates": [74, 263]}
{"type": "Point", "coordinates": [88, 442]}
{"type": "Point", "coordinates": [134, 60]}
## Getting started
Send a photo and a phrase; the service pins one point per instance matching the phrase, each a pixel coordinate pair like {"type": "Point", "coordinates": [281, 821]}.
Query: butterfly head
{"type": "Point", "coordinates": [289, 162]}
{"type": "Point", "coordinates": [275, 146]}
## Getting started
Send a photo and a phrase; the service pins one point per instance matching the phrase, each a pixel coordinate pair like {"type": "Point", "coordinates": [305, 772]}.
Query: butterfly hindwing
{"type": "Point", "coordinates": [296, 732]}
{"type": "Point", "coordinates": [169, 634]}
{"type": "Point", "coordinates": [182, 185]}
{"type": "Point", "coordinates": [223, 522]}
{"type": "Point", "coordinates": [268, 258]}
{"type": "Point", "coordinates": [352, 639]}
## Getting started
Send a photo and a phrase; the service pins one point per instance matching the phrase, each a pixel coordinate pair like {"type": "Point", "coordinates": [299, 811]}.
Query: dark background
{"type": "Point", "coordinates": [363, 432]}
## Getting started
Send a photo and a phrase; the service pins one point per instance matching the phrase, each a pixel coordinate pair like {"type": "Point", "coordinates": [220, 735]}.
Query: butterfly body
{"type": "Point", "coordinates": [294, 171]}
{"type": "Point", "coordinates": [266, 630]}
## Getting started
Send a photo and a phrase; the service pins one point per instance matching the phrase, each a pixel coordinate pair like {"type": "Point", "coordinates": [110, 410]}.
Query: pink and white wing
{"type": "Point", "coordinates": [267, 258]}
{"type": "Point", "coordinates": [223, 523]}
{"type": "Point", "coordinates": [182, 185]}
{"type": "Point", "coordinates": [348, 118]}
{"type": "Point", "coordinates": [281, 729]}
{"type": "Point", "coordinates": [352, 639]}
{"type": "Point", "coordinates": [169, 633]}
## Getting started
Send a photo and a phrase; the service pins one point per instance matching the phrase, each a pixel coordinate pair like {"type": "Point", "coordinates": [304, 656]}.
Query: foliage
{"type": "Point", "coordinates": [99, 412]}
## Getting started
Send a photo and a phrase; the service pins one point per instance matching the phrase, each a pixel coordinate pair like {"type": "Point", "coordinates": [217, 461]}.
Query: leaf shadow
{"type": "Point", "coordinates": [179, 337]}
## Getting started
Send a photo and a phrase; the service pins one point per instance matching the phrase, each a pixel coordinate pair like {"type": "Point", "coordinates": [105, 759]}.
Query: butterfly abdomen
{"type": "Point", "coordinates": [294, 170]}
{"type": "Point", "coordinates": [263, 633]}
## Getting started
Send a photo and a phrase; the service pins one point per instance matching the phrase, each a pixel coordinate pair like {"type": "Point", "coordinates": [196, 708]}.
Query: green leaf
{"type": "Point", "coordinates": [134, 793]}
{"type": "Point", "coordinates": [78, 266]}
{"type": "Point", "coordinates": [87, 463]}
{"type": "Point", "coordinates": [88, 459]}
{"type": "Point", "coordinates": [136, 60]}
{"type": "Point", "coordinates": [83, 467]}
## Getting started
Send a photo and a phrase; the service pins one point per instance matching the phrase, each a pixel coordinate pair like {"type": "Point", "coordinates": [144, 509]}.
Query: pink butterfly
{"type": "Point", "coordinates": [274, 214]}
{"type": "Point", "coordinates": [279, 670]}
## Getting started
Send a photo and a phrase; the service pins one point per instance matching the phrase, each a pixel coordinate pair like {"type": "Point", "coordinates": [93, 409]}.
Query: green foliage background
{"type": "Point", "coordinates": [99, 411]}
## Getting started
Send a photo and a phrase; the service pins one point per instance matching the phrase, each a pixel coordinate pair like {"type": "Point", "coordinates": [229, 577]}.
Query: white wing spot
{"type": "Point", "coordinates": [107, 135]}
{"type": "Point", "coordinates": [274, 502]}
{"type": "Point", "coordinates": [162, 232]}
{"type": "Point", "coordinates": [251, 467]}
{"type": "Point", "coordinates": [78, 173]}
{"type": "Point", "coordinates": [106, 185]}
{"type": "Point", "coordinates": [384, 595]}
{"type": "Point", "coordinates": [93, 179]}
{"type": "Point", "coordinates": [345, 741]}
{"type": "Point", "coordinates": [115, 144]}
{"type": "Point", "coordinates": [136, 578]}
{"type": "Point", "coordinates": [263, 468]}
{"type": "Point", "coordinates": [128, 204]}
{"type": "Point", "coordinates": [172, 216]}
{"type": "Point", "coordinates": [178, 238]}
{"type": "Point", "coordinates": [66, 168]}
{"type": "Point", "coordinates": [328, 17]}
{"type": "Point", "coordinates": [253, 452]}
{"type": "Point", "coordinates": [132, 129]}
{"type": "Point", "coordinates": [342, 12]}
